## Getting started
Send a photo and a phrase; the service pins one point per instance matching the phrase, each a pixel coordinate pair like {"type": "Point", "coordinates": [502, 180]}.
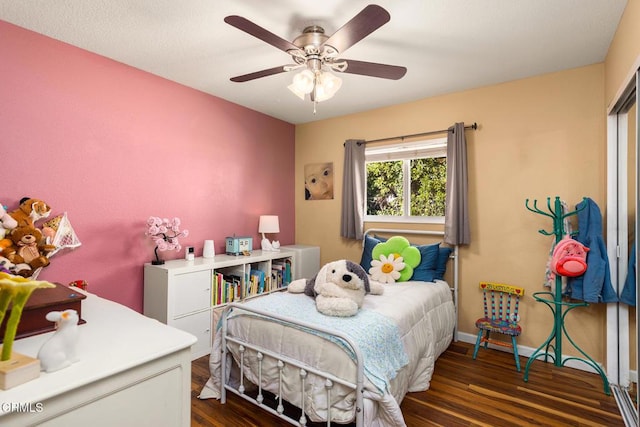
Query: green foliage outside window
{"type": "Point", "coordinates": [385, 195]}
{"type": "Point", "coordinates": [384, 188]}
{"type": "Point", "coordinates": [428, 186]}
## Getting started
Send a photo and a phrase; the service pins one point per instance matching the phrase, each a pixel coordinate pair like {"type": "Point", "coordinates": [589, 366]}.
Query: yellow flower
{"type": "Point", "coordinates": [16, 290]}
{"type": "Point", "coordinates": [19, 283]}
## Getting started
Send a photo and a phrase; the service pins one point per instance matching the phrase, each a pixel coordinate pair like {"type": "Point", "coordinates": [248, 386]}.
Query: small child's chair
{"type": "Point", "coordinates": [503, 317]}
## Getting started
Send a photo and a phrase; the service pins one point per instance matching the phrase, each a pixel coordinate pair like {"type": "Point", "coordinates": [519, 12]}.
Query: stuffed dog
{"type": "Point", "coordinates": [338, 288]}
{"type": "Point", "coordinates": [30, 211]}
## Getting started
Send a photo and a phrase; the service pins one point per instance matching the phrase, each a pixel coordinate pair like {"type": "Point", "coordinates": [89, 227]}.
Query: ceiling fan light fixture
{"type": "Point", "coordinates": [327, 85]}
{"type": "Point", "coordinates": [292, 87]}
{"type": "Point", "coordinates": [302, 83]}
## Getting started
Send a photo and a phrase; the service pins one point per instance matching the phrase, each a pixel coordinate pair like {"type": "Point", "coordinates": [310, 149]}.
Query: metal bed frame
{"type": "Point", "coordinates": [304, 369]}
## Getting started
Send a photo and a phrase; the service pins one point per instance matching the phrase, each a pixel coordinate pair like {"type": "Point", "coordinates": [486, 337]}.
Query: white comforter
{"type": "Point", "coordinates": [425, 317]}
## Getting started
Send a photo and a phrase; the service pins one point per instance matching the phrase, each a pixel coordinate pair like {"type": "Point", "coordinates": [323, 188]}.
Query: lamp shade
{"type": "Point", "coordinates": [324, 83]}
{"type": "Point", "coordinates": [327, 86]}
{"type": "Point", "coordinates": [269, 224]}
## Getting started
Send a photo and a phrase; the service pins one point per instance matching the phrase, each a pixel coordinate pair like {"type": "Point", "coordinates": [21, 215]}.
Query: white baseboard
{"type": "Point", "coordinates": [528, 351]}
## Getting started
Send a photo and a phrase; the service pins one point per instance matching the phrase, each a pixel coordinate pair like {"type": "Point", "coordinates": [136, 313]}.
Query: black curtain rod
{"type": "Point", "coordinates": [474, 126]}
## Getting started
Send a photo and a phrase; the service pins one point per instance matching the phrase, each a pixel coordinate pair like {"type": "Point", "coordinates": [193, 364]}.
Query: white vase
{"type": "Point", "coordinates": [209, 250]}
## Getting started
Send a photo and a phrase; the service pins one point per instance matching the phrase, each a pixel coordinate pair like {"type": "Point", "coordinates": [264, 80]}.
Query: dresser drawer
{"type": "Point", "coordinates": [191, 292]}
{"type": "Point", "coordinates": [198, 324]}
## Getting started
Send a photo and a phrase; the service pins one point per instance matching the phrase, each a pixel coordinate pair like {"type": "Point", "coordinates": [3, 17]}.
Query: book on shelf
{"type": "Point", "coordinates": [283, 272]}
{"type": "Point", "coordinates": [257, 280]}
{"type": "Point", "coordinates": [226, 288]}
{"type": "Point", "coordinates": [239, 282]}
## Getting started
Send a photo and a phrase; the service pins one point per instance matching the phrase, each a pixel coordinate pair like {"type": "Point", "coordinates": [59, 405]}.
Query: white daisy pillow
{"type": "Point", "coordinates": [386, 269]}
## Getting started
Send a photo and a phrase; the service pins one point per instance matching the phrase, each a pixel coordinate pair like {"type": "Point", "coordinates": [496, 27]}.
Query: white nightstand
{"type": "Point", "coordinates": [133, 371]}
{"type": "Point", "coordinates": [307, 260]}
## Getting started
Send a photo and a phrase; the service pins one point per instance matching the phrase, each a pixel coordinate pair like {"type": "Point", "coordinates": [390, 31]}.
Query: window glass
{"type": "Point", "coordinates": [406, 182]}
{"type": "Point", "coordinates": [384, 188]}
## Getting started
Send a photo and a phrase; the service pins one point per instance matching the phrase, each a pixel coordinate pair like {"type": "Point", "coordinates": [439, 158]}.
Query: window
{"type": "Point", "coordinates": [406, 182]}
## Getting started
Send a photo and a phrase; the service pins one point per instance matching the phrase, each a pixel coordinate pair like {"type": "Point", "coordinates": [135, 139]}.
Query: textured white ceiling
{"type": "Point", "coordinates": [446, 45]}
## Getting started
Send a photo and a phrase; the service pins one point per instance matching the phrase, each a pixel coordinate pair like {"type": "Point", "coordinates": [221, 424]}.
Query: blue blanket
{"type": "Point", "coordinates": [377, 337]}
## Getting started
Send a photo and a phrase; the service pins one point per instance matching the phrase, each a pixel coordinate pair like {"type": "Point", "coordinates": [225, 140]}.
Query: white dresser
{"type": "Point", "coordinates": [133, 371]}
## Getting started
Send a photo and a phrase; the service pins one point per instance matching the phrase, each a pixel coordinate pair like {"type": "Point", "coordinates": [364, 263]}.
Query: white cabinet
{"type": "Point", "coordinates": [307, 260]}
{"type": "Point", "coordinates": [199, 325]}
{"type": "Point", "coordinates": [182, 293]}
{"type": "Point", "coordinates": [191, 292]}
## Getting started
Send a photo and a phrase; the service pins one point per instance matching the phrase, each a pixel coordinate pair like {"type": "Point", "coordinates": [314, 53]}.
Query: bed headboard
{"type": "Point", "coordinates": [454, 256]}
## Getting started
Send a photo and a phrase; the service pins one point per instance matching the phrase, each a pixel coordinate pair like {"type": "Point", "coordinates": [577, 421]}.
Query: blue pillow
{"type": "Point", "coordinates": [426, 270]}
{"type": "Point", "coordinates": [441, 264]}
{"type": "Point", "coordinates": [369, 244]}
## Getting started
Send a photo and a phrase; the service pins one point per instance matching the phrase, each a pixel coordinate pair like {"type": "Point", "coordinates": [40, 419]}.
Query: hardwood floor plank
{"type": "Point", "coordinates": [487, 392]}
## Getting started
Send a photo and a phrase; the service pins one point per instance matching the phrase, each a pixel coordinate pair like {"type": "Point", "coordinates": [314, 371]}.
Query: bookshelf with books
{"type": "Point", "coordinates": [187, 294]}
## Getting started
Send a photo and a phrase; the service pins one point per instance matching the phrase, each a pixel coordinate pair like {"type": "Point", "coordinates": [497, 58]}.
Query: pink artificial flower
{"type": "Point", "coordinates": [165, 233]}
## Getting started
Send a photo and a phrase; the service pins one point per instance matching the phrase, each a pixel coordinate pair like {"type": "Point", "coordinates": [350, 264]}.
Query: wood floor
{"type": "Point", "coordinates": [464, 392]}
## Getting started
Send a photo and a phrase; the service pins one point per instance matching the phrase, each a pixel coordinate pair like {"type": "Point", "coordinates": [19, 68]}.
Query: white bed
{"type": "Point", "coordinates": [285, 356]}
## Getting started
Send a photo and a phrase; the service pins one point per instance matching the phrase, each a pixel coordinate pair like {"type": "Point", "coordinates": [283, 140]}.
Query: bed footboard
{"type": "Point", "coordinates": [260, 353]}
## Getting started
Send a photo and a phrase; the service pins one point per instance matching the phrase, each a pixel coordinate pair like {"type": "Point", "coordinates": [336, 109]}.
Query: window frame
{"type": "Point", "coordinates": [405, 151]}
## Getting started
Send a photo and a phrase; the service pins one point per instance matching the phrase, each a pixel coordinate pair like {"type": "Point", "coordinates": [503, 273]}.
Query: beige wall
{"type": "Point", "coordinates": [537, 138]}
{"type": "Point", "coordinates": [622, 58]}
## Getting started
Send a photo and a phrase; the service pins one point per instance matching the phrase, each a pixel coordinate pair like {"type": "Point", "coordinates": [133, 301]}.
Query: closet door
{"type": "Point", "coordinates": [622, 233]}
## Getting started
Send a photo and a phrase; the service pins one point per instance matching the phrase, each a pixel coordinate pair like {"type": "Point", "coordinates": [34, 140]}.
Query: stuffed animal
{"type": "Point", "coordinates": [27, 247]}
{"type": "Point", "coordinates": [6, 266]}
{"type": "Point", "coordinates": [30, 211]}
{"type": "Point", "coordinates": [338, 288]}
{"type": "Point", "coordinates": [6, 222]}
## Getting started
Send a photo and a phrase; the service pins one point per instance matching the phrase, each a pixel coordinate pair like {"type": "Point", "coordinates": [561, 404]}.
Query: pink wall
{"type": "Point", "coordinates": [112, 145]}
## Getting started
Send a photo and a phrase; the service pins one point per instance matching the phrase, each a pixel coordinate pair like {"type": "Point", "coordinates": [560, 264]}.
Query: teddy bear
{"type": "Point", "coordinates": [30, 211]}
{"type": "Point", "coordinates": [27, 248]}
{"type": "Point", "coordinates": [339, 288]}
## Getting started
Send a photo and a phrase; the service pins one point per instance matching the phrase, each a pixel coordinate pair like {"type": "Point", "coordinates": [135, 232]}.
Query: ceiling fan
{"type": "Point", "coordinates": [315, 53]}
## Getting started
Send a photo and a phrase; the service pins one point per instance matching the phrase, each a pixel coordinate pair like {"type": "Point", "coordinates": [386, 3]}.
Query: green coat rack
{"type": "Point", "coordinates": [552, 347]}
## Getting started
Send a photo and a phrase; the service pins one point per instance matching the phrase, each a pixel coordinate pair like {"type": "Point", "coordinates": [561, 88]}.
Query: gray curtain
{"type": "Point", "coordinates": [456, 216]}
{"type": "Point", "coordinates": [353, 182]}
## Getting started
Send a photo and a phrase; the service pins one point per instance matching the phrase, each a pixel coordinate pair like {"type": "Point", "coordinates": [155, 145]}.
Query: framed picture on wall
{"type": "Point", "coordinates": [318, 181]}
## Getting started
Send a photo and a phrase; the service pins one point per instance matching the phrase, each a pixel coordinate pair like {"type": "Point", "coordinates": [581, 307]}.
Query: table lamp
{"type": "Point", "coordinates": [269, 224]}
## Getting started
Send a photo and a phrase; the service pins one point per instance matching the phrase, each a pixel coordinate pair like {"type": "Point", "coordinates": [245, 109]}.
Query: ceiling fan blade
{"type": "Point", "coordinates": [257, 31]}
{"type": "Point", "coordinates": [364, 23]}
{"type": "Point", "coordinates": [373, 69]}
{"type": "Point", "coordinates": [258, 74]}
